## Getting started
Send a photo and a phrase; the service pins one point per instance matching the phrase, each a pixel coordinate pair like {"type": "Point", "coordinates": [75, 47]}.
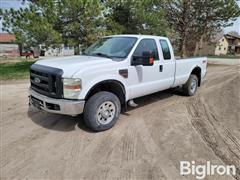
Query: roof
{"type": "Point", "coordinates": [231, 36]}
{"type": "Point", "coordinates": [7, 38]}
{"type": "Point", "coordinates": [137, 36]}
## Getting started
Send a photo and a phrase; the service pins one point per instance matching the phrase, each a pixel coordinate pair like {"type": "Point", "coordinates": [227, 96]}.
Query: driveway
{"type": "Point", "coordinates": [148, 142]}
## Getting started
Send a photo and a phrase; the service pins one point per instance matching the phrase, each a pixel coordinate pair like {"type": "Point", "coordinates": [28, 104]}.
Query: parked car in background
{"type": "Point", "coordinates": [27, 54]}
{"type": "Point", "coordinates": [33, 52]}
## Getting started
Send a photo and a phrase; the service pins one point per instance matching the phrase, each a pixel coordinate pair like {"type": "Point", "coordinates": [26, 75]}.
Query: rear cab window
{"type": "Point", "coordinates": [165, 49]}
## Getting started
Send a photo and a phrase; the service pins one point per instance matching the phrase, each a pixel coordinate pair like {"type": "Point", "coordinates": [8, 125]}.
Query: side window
{"type": "Point", "coordinates": [148, 45]}
{"type": "Point", "coordinates": [165, 50]}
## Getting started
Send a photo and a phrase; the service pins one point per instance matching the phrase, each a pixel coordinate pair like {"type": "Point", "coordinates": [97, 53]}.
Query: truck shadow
{"type": "Point", "coordinates": [152, 98]}
{"type": "Point", "coordinates": [57, 122]}
{"type": "Point", "coordinates": [68, 123]}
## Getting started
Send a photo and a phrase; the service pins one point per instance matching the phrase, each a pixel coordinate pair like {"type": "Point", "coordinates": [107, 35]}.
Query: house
{"type": "Point", "coordinates": [8, 47]}
{"type": "Point", "coordinates": [228, 44]}
{"type": "Point", "coordinates": [225, 44]}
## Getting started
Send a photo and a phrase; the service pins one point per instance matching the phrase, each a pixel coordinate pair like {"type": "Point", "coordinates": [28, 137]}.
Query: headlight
{"type": "Point", "coordinates": [71, 88]}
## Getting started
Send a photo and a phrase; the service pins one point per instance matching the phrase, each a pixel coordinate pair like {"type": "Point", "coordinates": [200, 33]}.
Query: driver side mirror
{"type": "Point", "coordinates": [146, 59]}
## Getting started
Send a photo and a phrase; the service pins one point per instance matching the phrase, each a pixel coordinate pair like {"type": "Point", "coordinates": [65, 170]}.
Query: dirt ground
{"type": "Point", "coordinates": [148, 142]}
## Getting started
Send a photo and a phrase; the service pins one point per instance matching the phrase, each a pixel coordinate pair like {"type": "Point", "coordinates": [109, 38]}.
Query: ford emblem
{"type": "Point", "coordinates": [37, 80]}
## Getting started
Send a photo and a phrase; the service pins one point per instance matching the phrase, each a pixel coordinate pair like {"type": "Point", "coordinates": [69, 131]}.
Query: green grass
{"type": "Point", "coordinates": [225, 56]}
{"type": "Point", "coordinates": [19, 70]}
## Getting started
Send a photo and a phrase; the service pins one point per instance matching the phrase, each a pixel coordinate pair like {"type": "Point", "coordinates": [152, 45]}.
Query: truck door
{"type": "Point", "coordinates": [147, 79]}
{"type": "Point", "coordinates": [167, 63]}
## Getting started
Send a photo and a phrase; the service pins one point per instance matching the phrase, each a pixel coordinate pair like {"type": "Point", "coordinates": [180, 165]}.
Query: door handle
{"type": "Point", "coordinates": [161, 68]}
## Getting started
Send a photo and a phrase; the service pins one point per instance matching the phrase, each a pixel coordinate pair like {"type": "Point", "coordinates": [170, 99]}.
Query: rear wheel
{"type": "Point", "coordinates": [102, 111]}
{"type": "Point", "coordinates": [191, 85]}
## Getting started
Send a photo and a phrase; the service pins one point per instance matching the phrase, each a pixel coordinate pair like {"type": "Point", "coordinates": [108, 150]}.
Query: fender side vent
{"type": "Point", "coordinates": [123, 73]}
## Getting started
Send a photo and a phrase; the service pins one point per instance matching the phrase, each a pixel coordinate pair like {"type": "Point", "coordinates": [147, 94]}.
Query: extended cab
{"type": "Point", "coordinates": [109, 74]}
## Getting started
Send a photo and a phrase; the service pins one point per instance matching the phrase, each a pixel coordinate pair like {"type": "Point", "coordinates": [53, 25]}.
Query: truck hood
{"type": "Point", "coordinates": [72, 64]}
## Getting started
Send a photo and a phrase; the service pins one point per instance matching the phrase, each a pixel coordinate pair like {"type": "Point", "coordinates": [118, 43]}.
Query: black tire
{"type": "Point", "coordinates": [92, 108]}
{"type": "Point", "coordinates": [189, 89]}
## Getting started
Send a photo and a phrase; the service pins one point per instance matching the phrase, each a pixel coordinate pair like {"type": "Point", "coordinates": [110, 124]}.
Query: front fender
{"type": "Point", "coordinates": [88, 85]}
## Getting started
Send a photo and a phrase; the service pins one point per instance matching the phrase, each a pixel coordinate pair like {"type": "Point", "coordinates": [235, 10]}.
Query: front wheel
{"type": "Point", "coordinates": [191, 85]}
{"type": "Point", "coordinates": [102, 111]}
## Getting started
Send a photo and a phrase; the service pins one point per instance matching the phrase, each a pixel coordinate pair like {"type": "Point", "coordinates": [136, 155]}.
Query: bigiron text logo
{"type": "Point", "coordinates": [200, 171]}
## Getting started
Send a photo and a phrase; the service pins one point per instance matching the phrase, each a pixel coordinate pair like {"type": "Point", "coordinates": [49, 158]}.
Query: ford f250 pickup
{"type": "Point", "coordinates": [109, 75]}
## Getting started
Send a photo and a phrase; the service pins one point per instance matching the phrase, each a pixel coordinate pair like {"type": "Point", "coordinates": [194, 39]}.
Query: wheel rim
{"type": "Point", "coordinates": [193, 85]}
{"type": "Point", "coordinates": [106, 112]}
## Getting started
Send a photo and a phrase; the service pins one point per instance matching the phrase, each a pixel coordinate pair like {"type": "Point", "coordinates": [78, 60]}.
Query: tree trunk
{"type": "Point", "coordinates": [76, 50]}
{"type": "Point", "coordinates": [183, 50]}
{"type": "Point", "coordinates": [198, 46]}
{"type": "Point", "coordinates": [196, 49]}
{"type": "Point", "coordinates": [20, 48]}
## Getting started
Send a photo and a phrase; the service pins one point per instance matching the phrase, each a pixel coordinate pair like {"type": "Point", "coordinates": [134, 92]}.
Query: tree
{"type": "Point", "coordinates": [135, 17]}
{"type": "Point", "coordinates": [49, 22]}
{"type": "Point", "coordinates": [196, 20]}
{"type": "Point", "coordinates": [80, 21]}
{"type": "Point", "coordinates": [30, 27]}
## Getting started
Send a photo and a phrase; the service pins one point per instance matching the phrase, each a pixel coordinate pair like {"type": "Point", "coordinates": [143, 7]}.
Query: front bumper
{"type": "Point", "coordinates": [59, 106]}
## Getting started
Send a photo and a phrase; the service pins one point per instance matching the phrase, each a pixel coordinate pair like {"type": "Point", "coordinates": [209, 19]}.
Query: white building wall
{"type": "Point", "coordinates": [62, 51]}
{"type": "Point", "coordinates": [222, 47]}
{"type": "Point", "coordinates": [9, 50]}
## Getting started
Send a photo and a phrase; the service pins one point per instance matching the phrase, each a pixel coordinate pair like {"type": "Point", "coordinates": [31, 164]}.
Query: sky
{"type": "Point", "coordinates": [6, 4]}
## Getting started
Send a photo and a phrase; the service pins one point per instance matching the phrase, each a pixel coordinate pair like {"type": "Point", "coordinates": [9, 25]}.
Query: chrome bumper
{"type": "Point", "coordinates": [59, 106]}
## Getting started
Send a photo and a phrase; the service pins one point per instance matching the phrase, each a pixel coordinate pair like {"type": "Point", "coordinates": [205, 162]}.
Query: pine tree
{"type": "Point", "coordinates": [51, 23]}
{"type": "Point", "coordinates": [196, 20]}
{"type": "Point", "coordinates": [135, 17]}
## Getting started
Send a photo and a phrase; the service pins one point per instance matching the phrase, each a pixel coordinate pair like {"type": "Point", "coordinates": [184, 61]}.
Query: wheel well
{"type": "Point", "coordinates": [112, 86]}
{"type": "Point", "coordinates": [197, 71]}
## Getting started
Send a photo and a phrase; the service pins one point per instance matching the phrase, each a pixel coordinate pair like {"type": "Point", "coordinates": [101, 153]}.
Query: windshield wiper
{"type": "Point", "coordinates": [103, 55]}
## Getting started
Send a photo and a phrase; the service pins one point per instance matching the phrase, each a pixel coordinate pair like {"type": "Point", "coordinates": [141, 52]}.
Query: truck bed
{"type": "Point", "coordinates": [183, 65]}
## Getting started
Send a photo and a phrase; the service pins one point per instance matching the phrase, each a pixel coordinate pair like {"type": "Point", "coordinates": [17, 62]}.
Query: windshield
{"type": "Point", "coordinates": [111, 47]}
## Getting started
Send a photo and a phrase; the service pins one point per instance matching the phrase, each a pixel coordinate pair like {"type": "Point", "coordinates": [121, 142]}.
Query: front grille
{"type": "Point", "coordinates": [46, 80]}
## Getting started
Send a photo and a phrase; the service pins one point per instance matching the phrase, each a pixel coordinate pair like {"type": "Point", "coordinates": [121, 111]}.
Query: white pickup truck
{"type": "Point", "coordinates": [110, 74]}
